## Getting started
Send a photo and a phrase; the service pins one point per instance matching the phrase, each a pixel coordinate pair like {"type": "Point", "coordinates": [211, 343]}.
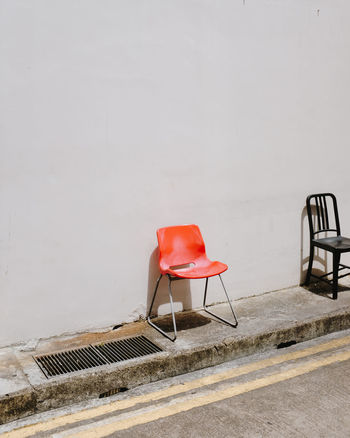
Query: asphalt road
{"type": "Point", "coordinates": [300, 391]}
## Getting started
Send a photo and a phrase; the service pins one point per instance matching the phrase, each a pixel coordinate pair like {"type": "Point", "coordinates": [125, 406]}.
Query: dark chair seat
{"type": "Point", "coordinates": [335, 243]}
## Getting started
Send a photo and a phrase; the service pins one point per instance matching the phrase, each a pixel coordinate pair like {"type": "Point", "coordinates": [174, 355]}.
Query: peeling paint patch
{"type": "Point", "coordinates": [138, 313]}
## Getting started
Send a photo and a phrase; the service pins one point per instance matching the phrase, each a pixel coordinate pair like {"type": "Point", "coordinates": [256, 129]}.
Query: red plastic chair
{"type": "Point", "coordinates": [182, 255]}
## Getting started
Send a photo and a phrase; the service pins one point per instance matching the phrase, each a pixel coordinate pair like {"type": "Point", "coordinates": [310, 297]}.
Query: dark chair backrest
{"type": "Point", "coordinates": [317, 204]}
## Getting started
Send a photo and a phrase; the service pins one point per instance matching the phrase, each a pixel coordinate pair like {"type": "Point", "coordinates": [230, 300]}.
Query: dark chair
{"type": "Point", "coordinates": [320, 221]}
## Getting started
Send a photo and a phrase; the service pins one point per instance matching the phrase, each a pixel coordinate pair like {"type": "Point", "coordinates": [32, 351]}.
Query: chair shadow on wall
{"type": "Point", "coordinates": [320, 263]}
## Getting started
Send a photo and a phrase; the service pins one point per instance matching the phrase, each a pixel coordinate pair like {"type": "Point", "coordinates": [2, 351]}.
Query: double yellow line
{"type": "Point", "coordinates": [202, 400]}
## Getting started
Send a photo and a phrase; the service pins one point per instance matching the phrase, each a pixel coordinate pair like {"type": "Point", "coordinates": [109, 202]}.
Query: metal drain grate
{"type": "Point", "coordinates": [64, 362]}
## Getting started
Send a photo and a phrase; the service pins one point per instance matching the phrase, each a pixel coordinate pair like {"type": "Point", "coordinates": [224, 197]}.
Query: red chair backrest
{"type": "Point", "coordinates": [179, 245]}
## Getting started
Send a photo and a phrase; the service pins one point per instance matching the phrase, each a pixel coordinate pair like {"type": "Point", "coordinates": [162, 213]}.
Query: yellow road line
{"type": "Point", "coordinates": [173, 390]}
{"type": "Point", "coordinates": [214, 396]}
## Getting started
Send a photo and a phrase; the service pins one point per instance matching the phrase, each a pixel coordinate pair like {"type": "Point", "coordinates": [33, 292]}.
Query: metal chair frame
{"type": "Point", "coordinates": [322, 226]}
{"type": "Point", "coordinates": [205, 308]}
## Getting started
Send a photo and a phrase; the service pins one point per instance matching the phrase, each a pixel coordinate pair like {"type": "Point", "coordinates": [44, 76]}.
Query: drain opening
{"type": "Point", "coordinates": [92, 356]}
{"type": "Point", "coordinates": [286, 344]}
{"type": "Point", "coordinates": [112, 392]}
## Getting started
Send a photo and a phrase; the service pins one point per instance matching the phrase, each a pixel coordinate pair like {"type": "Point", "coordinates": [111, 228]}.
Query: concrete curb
{"type": "Point", "coordinates": [58, 392]}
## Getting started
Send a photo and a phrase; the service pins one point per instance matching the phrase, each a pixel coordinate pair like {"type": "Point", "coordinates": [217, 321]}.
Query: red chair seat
{"type": "Point", "coordinates": [202, 268]}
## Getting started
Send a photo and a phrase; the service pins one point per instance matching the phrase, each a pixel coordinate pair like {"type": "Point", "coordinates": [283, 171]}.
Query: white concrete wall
{"type": "Point", "coordinates": [122, 116]}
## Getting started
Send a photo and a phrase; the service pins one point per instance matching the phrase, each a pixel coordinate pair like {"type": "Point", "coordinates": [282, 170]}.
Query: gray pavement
{"type": "Point", "coordinates": [299, 391]}
{"type": "Point", "coordinates": [265, 322]}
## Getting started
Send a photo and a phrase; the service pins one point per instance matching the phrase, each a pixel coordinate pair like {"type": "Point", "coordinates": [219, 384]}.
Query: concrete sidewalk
{"type": "Point", "coordinates": [267, 321]}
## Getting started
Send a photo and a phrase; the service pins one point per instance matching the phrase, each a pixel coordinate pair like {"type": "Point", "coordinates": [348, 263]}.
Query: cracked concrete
{"type": "Point", "coordinates": [265, 321]}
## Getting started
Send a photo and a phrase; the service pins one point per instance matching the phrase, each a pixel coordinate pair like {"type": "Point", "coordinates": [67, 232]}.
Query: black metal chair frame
{"type": "Point", "coordinates": [322, 226]}
{"type": "Point", "coordinates": [205, 308]}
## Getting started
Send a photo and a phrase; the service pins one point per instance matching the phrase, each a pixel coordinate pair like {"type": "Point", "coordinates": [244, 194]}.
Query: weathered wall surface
{"type": "Point", "coordinates": [119, 117]}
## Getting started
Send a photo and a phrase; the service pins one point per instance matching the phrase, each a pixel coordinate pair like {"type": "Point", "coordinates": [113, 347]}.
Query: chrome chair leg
{"type": "Point", "coordinates": [235, 324]}
{"type": "Point", "coordinates": [172, 310]}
